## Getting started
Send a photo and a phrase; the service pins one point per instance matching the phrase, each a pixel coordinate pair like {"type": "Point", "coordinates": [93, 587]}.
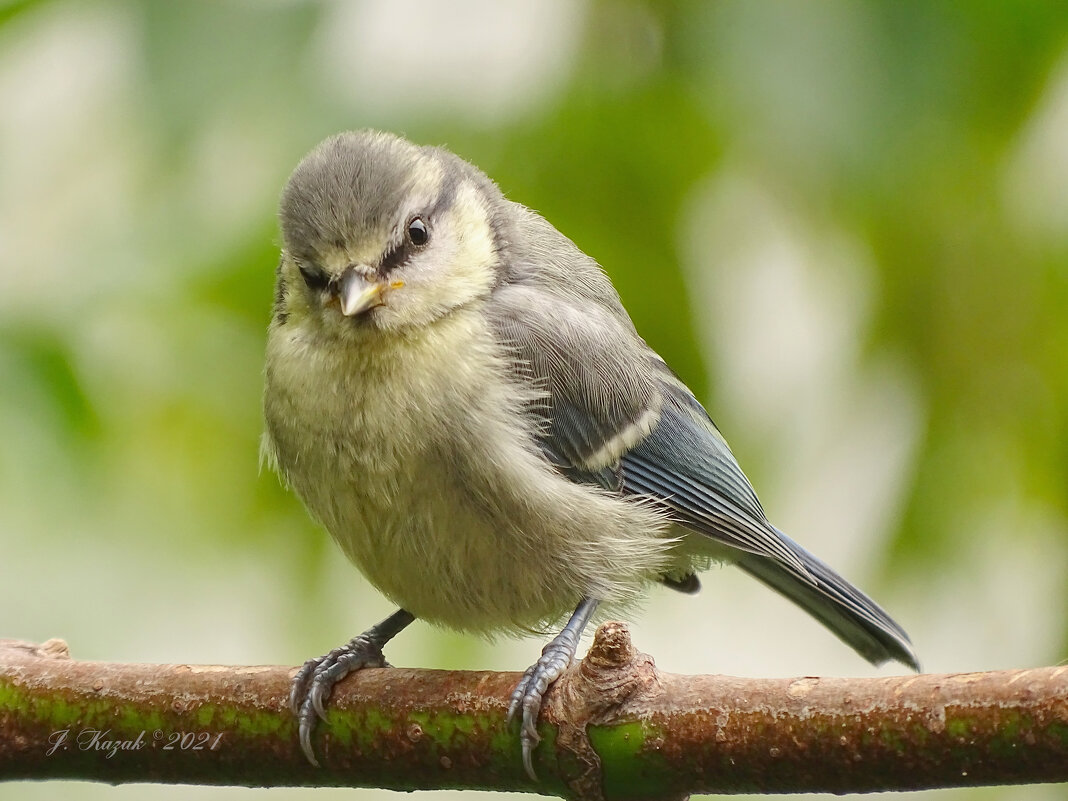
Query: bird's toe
{"type": "Point", "coordinates": [530, 693]}
{"type": "Point", "coordinates": [315, 681]}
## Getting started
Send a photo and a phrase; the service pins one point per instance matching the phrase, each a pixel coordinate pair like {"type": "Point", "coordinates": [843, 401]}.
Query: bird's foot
{"type": "Point", "coordinates": [529, 693]}
{"type": "Point", "coordinates": [315, 682]}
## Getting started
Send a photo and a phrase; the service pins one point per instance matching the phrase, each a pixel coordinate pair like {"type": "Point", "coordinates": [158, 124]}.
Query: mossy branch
{"type": "Point", "coordinates": [614, 728]}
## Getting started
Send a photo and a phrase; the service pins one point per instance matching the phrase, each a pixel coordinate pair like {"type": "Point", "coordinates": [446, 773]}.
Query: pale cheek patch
{"type": "Point", "coordinates": [458, 266]}
{"type": "Point", "coordinates": [469, 264]}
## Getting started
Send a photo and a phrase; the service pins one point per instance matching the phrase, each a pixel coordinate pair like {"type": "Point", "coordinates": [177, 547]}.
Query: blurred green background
{"type": "Point", "coordinates": [844, 224]}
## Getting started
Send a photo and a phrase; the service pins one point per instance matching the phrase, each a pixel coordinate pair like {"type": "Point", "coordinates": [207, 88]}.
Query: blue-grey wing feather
{"type": "Point", "coordinates": [686, 463]}
{"type": "Point", "coordinates": [590, 404]}
{"type": "Point", "coordinates": [844, 609]}
{"type": "Point", "coordinates": [610, 413]}
{"type": "Point", "coordinates": [607, 411]}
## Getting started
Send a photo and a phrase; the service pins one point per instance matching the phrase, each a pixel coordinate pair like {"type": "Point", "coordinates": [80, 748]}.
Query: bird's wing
{"type": "Point", "coordinates": [686, 462]}
{"type": "Point", "coordinates": [591, 404]}
{"type": "Point", "coordinates": [610, 412]}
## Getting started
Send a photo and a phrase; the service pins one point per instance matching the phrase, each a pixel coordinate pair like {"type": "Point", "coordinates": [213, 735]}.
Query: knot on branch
{"type": "Point", "coordinates": [613, 675]}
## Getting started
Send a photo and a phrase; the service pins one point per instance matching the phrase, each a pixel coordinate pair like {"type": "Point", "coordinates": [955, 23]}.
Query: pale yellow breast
{"type": "Point", "coordinates": [417, 456]}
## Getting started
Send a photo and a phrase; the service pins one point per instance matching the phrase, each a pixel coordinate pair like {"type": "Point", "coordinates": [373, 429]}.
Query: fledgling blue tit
{"type": "Point", "coordinates": [457, 394]}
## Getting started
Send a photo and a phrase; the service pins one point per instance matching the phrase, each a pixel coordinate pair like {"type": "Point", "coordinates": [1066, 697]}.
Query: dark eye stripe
{"type": "Point", "coordinates": [403, 250]}
{"type": "Point", "coordinates": [315, 279]}
{"type": "Point", "coordinates": [397, 256]}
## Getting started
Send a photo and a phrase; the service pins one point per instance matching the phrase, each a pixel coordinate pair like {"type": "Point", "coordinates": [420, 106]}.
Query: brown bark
{"type": "Point", "coordinates": [613, 727]}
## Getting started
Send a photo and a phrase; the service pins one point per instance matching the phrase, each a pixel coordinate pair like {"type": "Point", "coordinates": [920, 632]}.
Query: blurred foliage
{"type": "Point", "coordinates": [144, 143]}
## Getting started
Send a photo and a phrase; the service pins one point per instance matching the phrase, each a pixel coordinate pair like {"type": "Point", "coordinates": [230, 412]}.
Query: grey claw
{"type": "Point", "coordinates": [519, 691]}
{"type": "Point", "coordinates": [299, 687]}
{"type": "Point", "coordinates": [315, 681]}
{"type": "Point", "coordinates": [305, 738]}
{"type": "Point", "coordinates": [528, 756]}
{"type": "Point", "coordinates": [316, 698]}
{"type": "Point", "coordinates": [530, 692]}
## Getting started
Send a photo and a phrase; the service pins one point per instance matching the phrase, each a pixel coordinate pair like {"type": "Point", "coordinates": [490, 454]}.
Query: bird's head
{"type": "Point", "coordinates": [381, 234]}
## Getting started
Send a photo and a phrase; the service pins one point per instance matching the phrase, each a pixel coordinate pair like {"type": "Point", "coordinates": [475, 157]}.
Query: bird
{"type": "Point", "coordinates": [457, 394]}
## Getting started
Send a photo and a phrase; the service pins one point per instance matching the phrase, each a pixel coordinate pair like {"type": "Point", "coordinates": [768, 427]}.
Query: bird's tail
{"type": "Point", "coordinates": [853, 617]}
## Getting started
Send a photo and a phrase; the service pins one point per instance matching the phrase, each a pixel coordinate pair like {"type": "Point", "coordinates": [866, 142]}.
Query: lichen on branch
{"type": "Point", "coordinates": [613, 727]}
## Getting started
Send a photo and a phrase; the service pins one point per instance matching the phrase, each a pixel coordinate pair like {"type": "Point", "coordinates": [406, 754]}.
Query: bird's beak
{"type": "Point", "coordinates": [357, 294]}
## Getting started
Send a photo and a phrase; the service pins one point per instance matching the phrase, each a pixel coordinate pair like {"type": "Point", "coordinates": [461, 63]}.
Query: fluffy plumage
{"type": "Point", "coordinates": [490, 440]}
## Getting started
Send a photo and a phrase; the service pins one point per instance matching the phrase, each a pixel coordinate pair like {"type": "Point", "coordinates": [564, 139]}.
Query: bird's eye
{"type": "Point", "coordinates": [312, 277]}
{"type": "Point", "coordinates": [417, 232]}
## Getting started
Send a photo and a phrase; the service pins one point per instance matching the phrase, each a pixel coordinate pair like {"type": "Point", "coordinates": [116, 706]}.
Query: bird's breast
{"type": "Point", "coordinates": [358, 420]}
{"type": "Point", "coordinates": [419, 456]}
{"type": "Point", "coordinates": [384, 447]}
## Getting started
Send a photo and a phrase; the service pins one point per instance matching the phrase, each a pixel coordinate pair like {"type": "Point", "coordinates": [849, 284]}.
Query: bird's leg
{"type": "Point", "coordinates": [555, 659]}
{"type": "Point", "coordinates": [315, 681]}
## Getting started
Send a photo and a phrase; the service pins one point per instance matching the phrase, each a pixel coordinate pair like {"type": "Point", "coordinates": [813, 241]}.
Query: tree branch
{"type": "Point", "coordinates": [613, 727]}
